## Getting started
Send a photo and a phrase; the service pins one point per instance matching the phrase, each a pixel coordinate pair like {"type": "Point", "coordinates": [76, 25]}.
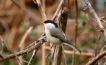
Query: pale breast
{"type": "Point", "coordinates": [51, 39]}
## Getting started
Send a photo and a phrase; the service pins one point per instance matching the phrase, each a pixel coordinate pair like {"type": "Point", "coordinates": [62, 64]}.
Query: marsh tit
{"type": "Point", "coordinates": [56, 36]}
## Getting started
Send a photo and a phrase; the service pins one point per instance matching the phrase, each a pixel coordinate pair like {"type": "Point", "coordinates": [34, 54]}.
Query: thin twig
{"type": "Point", "coordinates": [6, 27]}
{"type": "Point", "coordinates": [41, 9]}
{"type": "Point", "coordinates": [76, 30]}
{"type": "Point", "coordinates": [92, 11]}
{"type": "Point", "coordinates": [49, 52]}
{"type": "Point", "coordinates": [27, 11]}
{"type": "Point", "coordinates": [58, 10]}
{"type": "Point", "coordinates": [57, 56]}
{"type": "Point", "coordinates": [82, 53]}
{"type": "Point", "coordinates": [94, 14]}
{"type": "Point", "coordinates": [25, 51]}
{"type": "Point", "coordinates": [53, 50]}
{"type": "Point", "coordinates": [102, 48]}
{"type": "Point", "coordinates": [64, 56]}
{"type": "Point", "coordinates": [44, 5]}
{"type": "Point", "coordinates": [33, 55]}
{"type": "Point", "coordinates": [3, 42]}
{"type": "Point", "coordinates": [17, 5]}
{"type": "Point", "coordinates": [21, 46]}
{"type": "Point", "coordinates": [95, 59]}
{"type": "Point", "coordinates": [95, 37]}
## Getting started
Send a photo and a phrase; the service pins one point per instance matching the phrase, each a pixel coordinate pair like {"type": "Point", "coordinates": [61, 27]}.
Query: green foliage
{"type": "Point", "coordinates": [90, 42]}
{"type": "Point", "coordinates": [9, 62]}
{"type": "Point", "coordinates": [98, 38]}
{"type": "Point", "coordinates": [13, 62]}
{"type": "Point", "coordinates": [83, 16]}
{"type": "Point", "coordinates": [5, 49]}
{"type": "Point", "coordinates": [68, 59]}
{"type": "Point", "coordinates": [24, 25]}
{"type": "Point", "coordinates": [27, 58]}
{"type": "Point", "coordinates": [104, 48]}
{"type": "Point", "coordinates": [90, 29]}
{"type": "Point", "coordinates": [81, 44]}
{"type": "Point", "coordinates": [78, 58]}
{"type": "Point", "coordinates": [81, 26]}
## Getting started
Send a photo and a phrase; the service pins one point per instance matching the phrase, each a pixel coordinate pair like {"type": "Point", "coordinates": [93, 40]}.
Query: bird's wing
{"type": "Point", "coordinates": [58, 33]}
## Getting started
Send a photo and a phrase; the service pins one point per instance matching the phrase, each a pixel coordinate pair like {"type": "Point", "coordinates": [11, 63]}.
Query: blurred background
{"type": "Point", "coordinates": [15, 20]}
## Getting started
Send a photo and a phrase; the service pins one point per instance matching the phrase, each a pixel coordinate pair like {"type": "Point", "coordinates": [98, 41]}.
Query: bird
{"type": "Point", "coordinates": [56, 36]}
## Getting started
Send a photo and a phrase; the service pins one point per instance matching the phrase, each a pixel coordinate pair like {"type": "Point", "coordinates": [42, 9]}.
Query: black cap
{"type": "Point", "coordinates": [51, 21]}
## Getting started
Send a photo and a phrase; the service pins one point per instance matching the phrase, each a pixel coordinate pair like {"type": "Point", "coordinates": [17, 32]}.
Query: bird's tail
{"type": "Point", "coordinates": [73, 47]}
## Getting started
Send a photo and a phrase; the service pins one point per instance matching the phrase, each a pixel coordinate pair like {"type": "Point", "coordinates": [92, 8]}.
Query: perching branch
{"type": "Point", "coordinates": [38, 2]}
{"type": "Point", "coordinates": [25, 51]}
{"type": "Point", "coordinates": [21, 45]}
{"type": "Point", "coordinates": [4, 43]}
{"type": "Point", "coordinates": [95, 59]}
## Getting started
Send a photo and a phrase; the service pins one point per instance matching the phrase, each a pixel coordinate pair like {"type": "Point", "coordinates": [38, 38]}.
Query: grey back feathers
{"type": "Point", "coordinates": [58, 34]}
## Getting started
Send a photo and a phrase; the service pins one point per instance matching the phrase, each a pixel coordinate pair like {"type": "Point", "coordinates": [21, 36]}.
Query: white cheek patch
{"type": "Point", "coordinates": [50, 26]}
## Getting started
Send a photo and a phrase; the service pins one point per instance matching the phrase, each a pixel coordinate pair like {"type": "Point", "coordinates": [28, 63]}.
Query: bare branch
{"type": "Point", "coordinates": [21, 45]}
{"type": "Point", "coordinates": [3, 42]}
{"type": "Point", "coordinates": [18, 5]}
{"type": "Point", "coordinates": [41, 9]}
{"type": "Point", "coordinates": [6, 27]}
{"type": "Point", "coordinates": [76, 30]}
{"type": "Point", "coordinates": [58, 10]}
{"type": "Point", "coordinates": [33, 55]}
{"type": "Point", "coordinates": [37, 44]}
{"type": "Point", "coordinates": [94, 14]}
{"type": "Point", "coordinates": [64, 56]}
{"type": "Point", "coordinates": [24, 37]}
{"type": "Point", "coordinates": [25, 51]}
{"type": "Point", "coordinates": [57, 56]}
{"type": "Point", "coordinates": [95, 59]}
